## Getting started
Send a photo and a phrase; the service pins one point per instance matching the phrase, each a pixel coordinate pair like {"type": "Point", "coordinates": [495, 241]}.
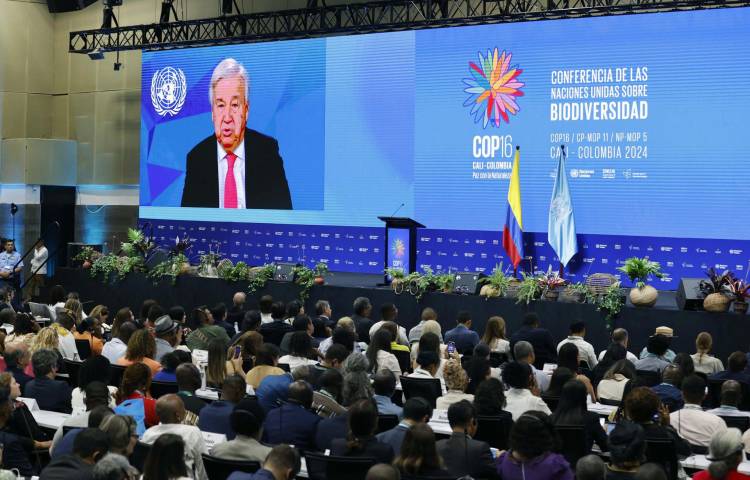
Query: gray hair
{"type": "Point", "coordinates": [356, 380]}
{"type": "Point", "coordinates": [113, 466]}
{"type": "Point", "coordinates": [725, 448]}
{"type": "Point", "coordinates": [119, 429]}
{"type": "Point", "coordinates": [590, 467]}
{"type": "Point", "coordinates": [522, 350]}
{"type": "Point", "coordinates": [301, 372]}
{"type": "Point", "coordinates": [43, 361]}
{"type": "Point", "coordinates": [229, 67]}
{"type": "Point", "coordinates": [361, 304]}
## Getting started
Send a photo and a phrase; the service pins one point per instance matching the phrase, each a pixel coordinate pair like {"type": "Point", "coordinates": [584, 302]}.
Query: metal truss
{"type": "Point", "coordinates": [361, 18]}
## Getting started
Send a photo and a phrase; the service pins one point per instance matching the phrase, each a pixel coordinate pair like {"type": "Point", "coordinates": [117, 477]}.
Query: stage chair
{"type": "Point", "coordinates": [386, 422]}
{"type": "Point", "coordinates": [427, 388]}
{"type": "Point", "coordinates": [220, 469]}
{"type": "Point", "coordinates": [329, 467]}
{"type": "Point", "coordinates": [572, 442]}
{"type": "Point", "coordinates": [84, 349]}
{"type": "Point", "coordinates": [39, 310]}
{"type": "Point", "coordinates": [494, 430]}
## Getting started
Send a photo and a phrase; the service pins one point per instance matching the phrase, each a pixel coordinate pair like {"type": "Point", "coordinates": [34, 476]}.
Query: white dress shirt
{"type": "Point", "coordinates": [239, 172]}
{"type": "Point", "coordinates": [628, 356]}
{"type": "Point", "coordinates": [520, 400]}
{"type": "Point", "coordinates": [40, 256]}
{"type": "Point", "coordinates": [728, 411]}
{"type": "Point", "coordinates": [114, 350]}
{"type": "Point", "coordinates": [388, 361]}
{"type": "Point", "coordinates": [696, 426]}
{"type": "Point", "coordinates": [295, 362]}
{"type": "Point", "coordinates": [194, 445]}
{"type": "Point", "coordinates": [402, 337]}
{"type": "Point", "coordinates": [585, 349]}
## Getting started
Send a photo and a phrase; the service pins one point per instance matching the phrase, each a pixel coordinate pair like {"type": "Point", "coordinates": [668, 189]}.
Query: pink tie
{"type": "Point", "coordinates": [230, 185]}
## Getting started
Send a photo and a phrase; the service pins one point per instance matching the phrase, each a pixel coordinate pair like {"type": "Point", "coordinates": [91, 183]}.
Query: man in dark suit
{"type": "Point", "coordinates": [293, 423]}
{"type": "Point", "coordinates": [463, 336]}
{"type": "Point", "coordinates": [462, 454]}
{"type": "Point", "coordinates": [50, 394]}
{"type": "Point", "coordinates": [322, 321]}
{"type": "Point", "coordinates": [236, 313]}
{"type": "Point", "coordinates": [540, 338]}
{"type": "Point", "coordinates": [236, 167]}
{"type": "Point", "coordinates": [416, 410]}
{"type": "Point", "coordinates": [361, 318]}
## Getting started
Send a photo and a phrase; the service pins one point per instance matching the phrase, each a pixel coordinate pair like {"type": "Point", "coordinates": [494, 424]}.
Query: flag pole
{"type": "Point", "coordinates": [564, 155]}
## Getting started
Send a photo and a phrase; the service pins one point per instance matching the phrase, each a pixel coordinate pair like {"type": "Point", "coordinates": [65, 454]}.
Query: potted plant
{"type": "Point", "coordinates": [319, 271]}
{"type": "Point", "coordinates": [529, 289]}
{"type": "Point", "coordinates": [717, 298]}
{"type": "Point", "coordinates": [739, 290]}
{"type": "Point", "coordinates": [397, 277]}
{"type": "Point", "coordinates": [180, 247]}
{"type": "Point", "coordinates": [172, 267]}
{"type": "Point", "coordinates": [444, 282]}
{"type": "Point", "coordinates": [577, 292]}
{"type": "Point", "coordinates": [639, 270]}
{"type": "Point", "coordinates": [496, 284]}
{"type": "Point", "coordinates": [549, 284]}
{"type": "Point", "coordinates": [259, 276]}
{"type": "Point", "coordinates": [611, 303]}
{"type": "Point", "coordinates": [87, 256]}
{"type": "Point", "coordinates": [207, 267]}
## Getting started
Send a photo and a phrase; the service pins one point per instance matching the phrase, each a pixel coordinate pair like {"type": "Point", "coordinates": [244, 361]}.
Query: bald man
{"type": "Point", "coordinates": [171, 413]}
{"type": "Point", "coordinates": [236, 313]}
{"type": "Point", "coordinates": [731, 396]}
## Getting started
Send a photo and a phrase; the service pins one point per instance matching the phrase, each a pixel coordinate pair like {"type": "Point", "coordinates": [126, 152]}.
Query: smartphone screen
{"type": "Point", "coordinates": [237, 351]}
{"type": "Point", "coordinates": [451, 347]}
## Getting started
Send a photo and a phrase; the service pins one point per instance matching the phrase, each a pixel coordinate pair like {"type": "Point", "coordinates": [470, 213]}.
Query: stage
{"type": "Point", "coordinates": [729, 330]}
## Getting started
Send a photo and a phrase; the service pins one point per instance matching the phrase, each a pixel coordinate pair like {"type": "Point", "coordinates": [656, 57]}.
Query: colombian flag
{"type": "Point", "coordinates": [513, 229]}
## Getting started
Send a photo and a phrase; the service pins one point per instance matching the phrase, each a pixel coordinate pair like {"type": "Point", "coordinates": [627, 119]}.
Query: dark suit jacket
{"type": "Point", "coordinates": [52, 395]}
{"type": "Point", "coordinates": [464, 338]}
{"type": "Point", "coordinates": [291, 424]}
{"type": "Point", "coordinates": [362, 326]}
{"type": "Point", "coordinates": [265, 180]}
{"type": "Point", "coordinates": [329, 429]}
{"type": "Point", "coordinates": [381, 452]}
{"type": "Point", "coordinates": [274, 332]}
{"type": "Point", "coordinates": [394, 437]}
{"type": "Point", "coordinates": [545, 349]}
{"type": "Point", "coordinates": [466, 456]}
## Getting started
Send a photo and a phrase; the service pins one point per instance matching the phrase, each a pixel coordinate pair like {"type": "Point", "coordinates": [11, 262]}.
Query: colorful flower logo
{"type": "Point", "coordinates": [398, 248]}
{"type": "Point", "coordinates": [493, 88]}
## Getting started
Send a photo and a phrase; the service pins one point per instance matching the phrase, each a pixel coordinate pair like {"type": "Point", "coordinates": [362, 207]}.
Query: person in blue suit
{"type": "Point", "coordinates": [464, 338]}
{"type": "Point", "coordinates": [293, 422]}
{"type": "Point", "coordinates": [282, 463]}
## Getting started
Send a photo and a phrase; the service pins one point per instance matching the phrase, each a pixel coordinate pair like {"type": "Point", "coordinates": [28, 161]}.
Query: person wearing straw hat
{"type": "Point", "coordinates": [725, 454]}
{"type": "Point", "coordinates": [667, 332]}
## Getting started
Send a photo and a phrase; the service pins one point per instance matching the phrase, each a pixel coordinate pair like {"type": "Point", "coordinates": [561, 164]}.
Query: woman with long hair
{"type": "Point", "coordinates": [123, 315]}
{"type": "Point", "coordinates": [357, 383]}
{"type": "Point", "coordinates": [141, 349]}
{"type": "Point", "coordinates": [16, 450]}
{"type": "Point", "coordinates": [567, 357]}
{"type": "Point", "coordinates": [489, 398]}
{"type": "Point", "coordinates": [88, 329]}
{"type": "Point", "coordinates": [703, 361]}
{"type": "Point", "coordinates": [428, 342]}
{"type": "Point", "coordinates": [495, 336]}
{"type": "Point", "coordinates": [167, 446]}
{"type": "Point", "coordinates": [479, 370]}
{"type": "Point", "coordinates": [614, 353]}
{"type": "Point", "coordinates": [250, 343]}
{"type": "Point", "coordinates": [93, 369]}
{"type": "Point", "coordinates": [136, 384]}
{"type": "Point", "coordinates": [418, 456]}
{"type": "Point", "coordinates": [612, 386]}
{"type": "Point", "coordinates": [74, 305]}
{"type": "Point", "coordinates": [220, 365]}
{"type": "Point", "coordinates": [379, 354]}
{"type": "Point", "coordinates": [572, 410]}
{"type": "Point", "coordinates": [300, 349]}
{"type": "Point", "coordinates": [560, 377]}
{"type": "Point", "coordinates": [456, 382]}
{"type": "Point", "coordinates": [101, 314]}
{"type": "Point", "coordinates": [361, 441]}
{"type": "Point", "coordinates": [46, 339]}
{"type": "Point", "coordinates": [530, 457]}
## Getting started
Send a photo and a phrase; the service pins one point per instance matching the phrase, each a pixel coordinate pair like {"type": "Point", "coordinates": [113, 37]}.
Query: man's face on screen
{"type": "Point", "coordinates": [229, 112]}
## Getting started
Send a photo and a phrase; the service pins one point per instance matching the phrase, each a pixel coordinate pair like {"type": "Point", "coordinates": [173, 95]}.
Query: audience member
{"type": "Point", "coordinates": [115, 348]}
{"type": "Point", "coordinates": [50, 394]}
{"type": "Point", "coordinates": [356, 379]}
{"type": "Point", "coordinates": [456, 382]}
{"type": "Point", "coordinates": [519, 399]}
{"type": "Point", "coordinates": [627, 449]}
{"type": "Point", "coordinates": [523, 352]}
{"type": "Point", "coordinates": [462, 336]}
{"type": "Point", "coordinates": [90, 329]}
{"type": "Point", "coordinates": [294, 309]}
{"type": "Point", "coordinates": [590, 467]}
{"type": "Point", "coordinates": [654, 359]}
{"type": "Point", "coordinates": [327, 399]}
{"type": "Point", "coordinates": [265, 304]}
{"type": "Point", "coordinates": [585, 349]}
{"type": "Point", "coordinates": [620, 336]}
{"type": "Point", "coordinates": [169, 363]}
{"type": "Point", "coordinates": [478, 368]}
{"type": "Point", "coordinates": [531, 457]}
{"type": "Point", "coordinates": [322, 323]}
{"type": "Point", "coordinates": [736, 369]}
{"type": "Point", "coordinates": [475, 458]}
{"type": "Point", "coordinates": [15, 448]}
{"type": "Point", "coordinates": [495, 336]}
{"type": "Point", "coordinates": [282, 463]}
{"type": "Point", "coordinates": [344, 334]}
{"type": "Point", "coordinates": [650, 471]}
{"type": "Point", "coordinates": [236, 313]}
{"type": "Point", "coordinates": [572, 410]}
{"type": "Point", "coordinates": [725, 454]}
{"type": "Point", "coordinates": [246, 445]}
{"type": "Point", "coordinates": [361, 318]}
{"type": "Point", "coordinates": [114, 467]}
{"type": "Point", "coordinates": [266, 364]}
{"type": "Point", "coordinates": [168, 446]}
{"type": "Point", "coordinates": [418, 456]}
{"type": "Point", "coordinates": [383, 471]}
{"type": "Point", "coordinates": [293, 422]}
{"type": "Point", "coordinates": [97, 399]}
{"type": "Point", "coordinates": [568, 357]}
{"type": "Point", "coordinates": [361, 441]}
{"type": "Point", "coordinates": [171, 413]}
{"type": "Point", "coordinates": [489, 399]}
{"type": "Point", "coordinates": [64, 327]}
{"type": "Point", "coordinates": [93, 369]}
{"type": "Point", "coordinates": [205, 330]}
{"type": "Point", "coordinates": [121, 433]}
{"type": "Point", "coordinates": [219, 366]}
{"type": "Point", "coordinates": [65, 445]}
{"type": "Point", "coordinates": [274, 331]}
{"type": "Point", "coordinates": [614, 353]}
{"type": "Point", "coordinates": [384, 384]}
{"type": "Point", "coordinates": [539, 338]}
{"type": "Point", "coordinates": [214, 417]}
{"type": "Point", "coordinates": [642, 406]}
{"type": "Point", "coordinates": [90, 446]}
{"type": "Point", "coordinates": [731, 395]}
{"type": "Point", "coordinates": [135, 387]}
{"type": "Point", "coordinates": [429, 342]}
{"type": "Point", "coordinates": [141, 349]}
{"type": "Point", "coordinates": [691, 422]}
{"type": "Point", "coordinates": [416, 332]}
{"type": "Point", "coordinates": [685, 362]}
{"type": "Point", "coordinates": [300, 346]}
{"type": "Point", "coordinates": [168, 336]}
{"type": "Point", "coordinates": [273, 390]}
{"type": "Point", "coordinates": [389, 313]}
{"type": "Point", "coordinates": [188, 381]}
{"type": "Point", "coordinates": [668, 390]}
{"type": "Point", "coordinates": [667, 333]}
{"type": "Point", "coordinates": [219, 312]}
{"type": "Point", "coordinates": [612, 386]}
{"type": "Point", "coordinates": [416, 411]}
{"type": "Point", "coordinates": [379, 354]}
{"type": "Point", "coordinates": [17, 358]}
{"type": "Point", "coordinates": [303, 324]}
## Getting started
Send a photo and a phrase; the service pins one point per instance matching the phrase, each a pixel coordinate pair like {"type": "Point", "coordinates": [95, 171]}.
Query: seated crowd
{"type": "Point", "coordinates": [163, 394]}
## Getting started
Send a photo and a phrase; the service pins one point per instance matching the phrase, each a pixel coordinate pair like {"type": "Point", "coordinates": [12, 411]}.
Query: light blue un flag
{"type": "Point", "coordinates": [561, 231]}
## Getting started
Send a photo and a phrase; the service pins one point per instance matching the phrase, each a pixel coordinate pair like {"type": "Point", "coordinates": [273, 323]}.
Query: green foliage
{"type": "Point", "coordinates": [582, 289]}
{"type": "Point", "coordinates": [530, 289]}
{"type": "Point", "coordinates": [321, 268]}
{"type": "Point", "coordinates": [208, 262]}
{"type": "Point", "coordinates": [109, 264]}
{"type": "Point", "coordinates": [87, 254]}
{"type": "Point", "coordinates": [640, 269]}
{"type": "Point", "coordinates": [260, 276]}
{"type": "Point", "coordinates": [171, 267]}
{"type": "Point", "coordinates": [305, 278]}
{"type": "Point", "coordinates": [233, 272]}
{"type": "Point", "coordinates": [611, 303]}
{"type": "Point", "coordinates": [498, 280]}
{"type": "Point", "coordinates": [444, 282]}
{"type": "Point", "coordinates": [395, 273]}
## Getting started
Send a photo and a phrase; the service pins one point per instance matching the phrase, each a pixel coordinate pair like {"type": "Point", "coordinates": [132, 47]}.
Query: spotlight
{"type": "Point", "coordinates": [118, 66]}
{"type": "Point", "coordinates": [96, 54]}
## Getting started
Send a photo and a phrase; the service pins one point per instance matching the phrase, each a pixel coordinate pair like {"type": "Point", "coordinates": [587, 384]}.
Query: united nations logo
{"type": "Point", "coordinates": [560, 208]}
{"type": "Point", "coordinates": [168, 91]}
